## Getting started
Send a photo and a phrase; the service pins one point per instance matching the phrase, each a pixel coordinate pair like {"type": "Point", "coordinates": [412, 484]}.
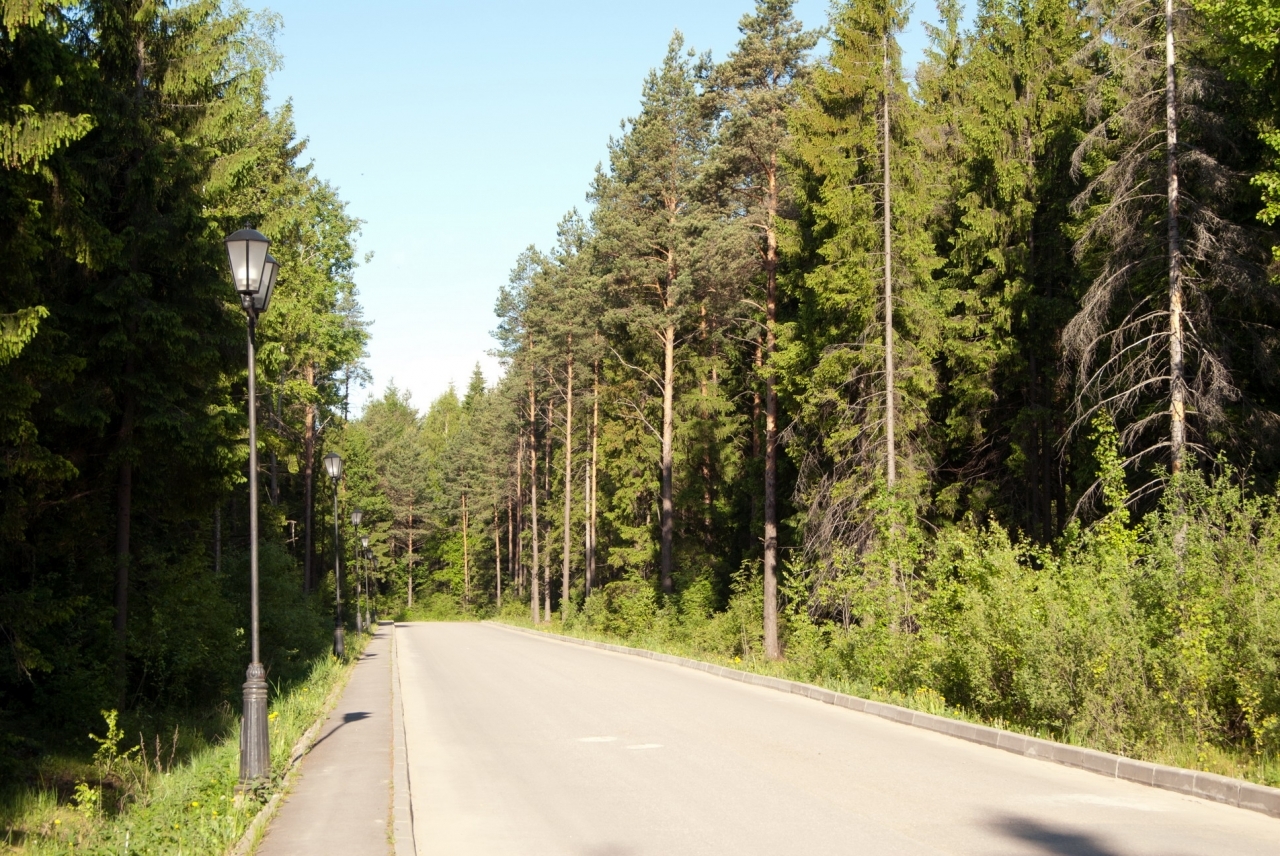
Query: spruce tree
{"type": "Point", "coordinates": [859, 357]}
{"type": "Point", "coordinates": [1009, 277]}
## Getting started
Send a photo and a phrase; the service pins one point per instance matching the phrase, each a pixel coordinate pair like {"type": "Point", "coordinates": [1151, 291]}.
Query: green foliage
{"type": "Point", "coordinates": [834, 355]}
{"type": "Point", "coordinates": [175, 797]}
{"type": "Point", "coordinates": [438, 607]}
{"type": "Point", "coordinates": [1034, 563]}
{"type": "Point", "coordinates": [17, 329]}
{"type": "Point", "coordinates": [1158, 643]}
{"type": "Point", "coordinates": [131, 141]}
{"type": "Point", "coordinates": [626, 608]}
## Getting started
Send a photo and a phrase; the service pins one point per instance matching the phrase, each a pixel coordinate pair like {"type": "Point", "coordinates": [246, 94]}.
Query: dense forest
{"type": "Point", "coordinates": [134, 137]}
{"type": "Point", "coordinates": [957, 380]}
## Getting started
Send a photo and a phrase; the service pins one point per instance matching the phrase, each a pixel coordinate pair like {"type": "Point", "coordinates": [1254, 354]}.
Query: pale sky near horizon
{"type": "Point", "coordinates": [461, 132]}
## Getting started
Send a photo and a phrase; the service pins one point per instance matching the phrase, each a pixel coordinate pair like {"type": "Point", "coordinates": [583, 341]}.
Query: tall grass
{"type": "Point", "coordinates": [166, 798]}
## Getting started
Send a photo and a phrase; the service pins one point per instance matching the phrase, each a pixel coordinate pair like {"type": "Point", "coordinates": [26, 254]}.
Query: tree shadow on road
{"type": "Point", "coordinates": [1054, 840]}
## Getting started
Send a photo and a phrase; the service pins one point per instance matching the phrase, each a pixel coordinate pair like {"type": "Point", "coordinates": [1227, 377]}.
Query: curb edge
{"type": "Point", "coordinates": [1208, 786]}
{"type": "Point", "coordinates": [401, 803]}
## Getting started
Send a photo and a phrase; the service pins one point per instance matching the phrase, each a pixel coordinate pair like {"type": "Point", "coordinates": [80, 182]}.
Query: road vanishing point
{"type": "Point", "coordinates": [521, 745]}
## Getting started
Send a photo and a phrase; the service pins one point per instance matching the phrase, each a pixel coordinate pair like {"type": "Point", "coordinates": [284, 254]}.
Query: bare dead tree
{"type": "Point", "coordinates": [1145, 341]}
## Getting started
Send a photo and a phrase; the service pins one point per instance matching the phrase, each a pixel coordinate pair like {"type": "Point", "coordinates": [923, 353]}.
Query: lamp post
{"type": "Point", "coordinates": [333, 466]}
{"type": "Point", "coordinates": [356, 517]}
{"type": "Point", "coordinates": [368, 556]}
{"type": "Point", "coordinates": [376, 576]}
{"type": "Point", "coordinates": [253, 272]}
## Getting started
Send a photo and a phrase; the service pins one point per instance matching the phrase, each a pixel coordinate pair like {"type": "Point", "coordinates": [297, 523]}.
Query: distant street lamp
{"type": "Point", "coordinates": [253, 272]}
{"type": "Point", "coordinates": [368, 556]}
{"type": "Point", "coordinates": [356, 517]}
{"type": "Point", "coordinates": [333, 466]}
{"type": "Point", "coordinates": [374, 559]}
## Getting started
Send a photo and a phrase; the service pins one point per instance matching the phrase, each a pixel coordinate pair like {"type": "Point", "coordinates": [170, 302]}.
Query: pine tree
{"type": "Point", "coordinates": [758, 85]}
{"type": "Point", "coordinates": [648, 219]}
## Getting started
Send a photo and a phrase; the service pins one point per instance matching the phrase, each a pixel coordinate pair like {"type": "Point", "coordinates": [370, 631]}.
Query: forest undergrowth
{"type": "Point", "coordinates": [159, 794]}
{"type": "Point", "coordinates": [1156, 641]}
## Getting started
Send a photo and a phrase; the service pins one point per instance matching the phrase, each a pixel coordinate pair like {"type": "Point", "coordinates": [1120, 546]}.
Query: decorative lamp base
{"type": "Point", "coordinates": [255, 747]}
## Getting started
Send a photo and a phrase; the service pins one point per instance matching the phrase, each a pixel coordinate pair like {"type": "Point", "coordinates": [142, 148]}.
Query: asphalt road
{"type": "Point", "coordinates": [526, 746]}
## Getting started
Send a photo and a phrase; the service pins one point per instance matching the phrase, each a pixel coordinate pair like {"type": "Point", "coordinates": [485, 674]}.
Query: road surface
{"type": "Point", "coordinates": [527, 746]}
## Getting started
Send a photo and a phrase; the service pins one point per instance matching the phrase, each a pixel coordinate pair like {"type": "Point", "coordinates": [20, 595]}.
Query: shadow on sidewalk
{"type": "Point", "coordinates": [347, 719]}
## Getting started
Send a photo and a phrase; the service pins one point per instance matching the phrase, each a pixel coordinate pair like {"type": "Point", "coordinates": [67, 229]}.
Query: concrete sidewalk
{"type": "Point", "coordinates": [340, 801]}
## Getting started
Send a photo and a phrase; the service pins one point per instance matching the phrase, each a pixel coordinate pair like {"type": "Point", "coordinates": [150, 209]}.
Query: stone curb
{"type": "Point", "coordinates": [1209, 786]}
{"type": "Point", "coordinates": [401, 805]}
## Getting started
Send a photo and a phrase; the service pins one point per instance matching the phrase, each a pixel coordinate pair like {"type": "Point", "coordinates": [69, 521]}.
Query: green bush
{"type": "Point", "coordinates": [1159, 639]}
{"type": "Point", "coordinates": [626, 608]}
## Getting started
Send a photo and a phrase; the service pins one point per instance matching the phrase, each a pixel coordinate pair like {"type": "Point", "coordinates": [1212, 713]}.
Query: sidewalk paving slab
{"type": "Point", "coordinates": [340, 801]}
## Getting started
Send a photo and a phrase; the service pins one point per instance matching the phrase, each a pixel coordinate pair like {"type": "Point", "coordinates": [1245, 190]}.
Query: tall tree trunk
{"type": "Point", "coordinates": [466, 557]}
{"type": "Point", "coordinates": [533, 504]}
{"type": "Point", "coordinates": [124, 530]}
{"type": "Point", "coordinates": [1177, 390]}
{"type": "Point", "coordinates": [497, 554]}
{"type": "Point", "coordinates": [217, 539]}
{"type": "Point", "coordinates": [704, 466]}
{"type": "Point", "coordinates": [891, 454]}
{"type": "Point", "coordinates": [519, 554]}
{"type": "Point", "coordinates": [757, 410]}
{"type": "Point", "coordinates": [274, 491]}
{"type": "Point", "coordinates": [667, 522]}
{"type": "Point", "coordinates": [546, 583]}
{"type": "Point", "coordinates": [511, 547]}
{"type": "Point", "coordinates": [410, 559]}
{"type": "Point", "coordinates": [568, 476]}
{"type": "Point", "coordinates": [124, 511]}
{"type": "Point", "coordinates": [546, 487]}
{"type": "Point", "coordinates": [772, 648]}
{"type": "Point", "coordinates": [591, 477]}
{"type": "Point", "coordinates": [275, 461]}
{"type": "Point", "coordinates": [309, 487]}
{"type": "Point", "coordinates": [586, 531]}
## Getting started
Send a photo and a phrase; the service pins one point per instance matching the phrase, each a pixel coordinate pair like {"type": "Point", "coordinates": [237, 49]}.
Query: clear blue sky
{"type": "Point", "coordinates": [461, 132]}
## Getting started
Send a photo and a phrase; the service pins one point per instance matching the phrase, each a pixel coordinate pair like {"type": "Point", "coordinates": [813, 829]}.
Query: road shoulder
{"type": "Point", "coordinates": [1208, 786]}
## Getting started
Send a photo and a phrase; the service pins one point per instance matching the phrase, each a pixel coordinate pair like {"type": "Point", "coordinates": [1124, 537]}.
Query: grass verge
{"type": "Point", "coordinates": [1252, 767]}
{"type": "Point", "coordinates": [135, 803]}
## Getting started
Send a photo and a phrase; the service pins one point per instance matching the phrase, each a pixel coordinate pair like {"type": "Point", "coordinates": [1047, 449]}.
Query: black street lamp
{"type": "Point", "coordinates": [356, 517]}
{"type": "Point", "coordinates": [253, 272]}
{"type": "Point", "coordinates": [333, 466]}
{"type": "Point", "coordinates": [368, 556]}
{"type": "Point", "coordinates": [374, 559]}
